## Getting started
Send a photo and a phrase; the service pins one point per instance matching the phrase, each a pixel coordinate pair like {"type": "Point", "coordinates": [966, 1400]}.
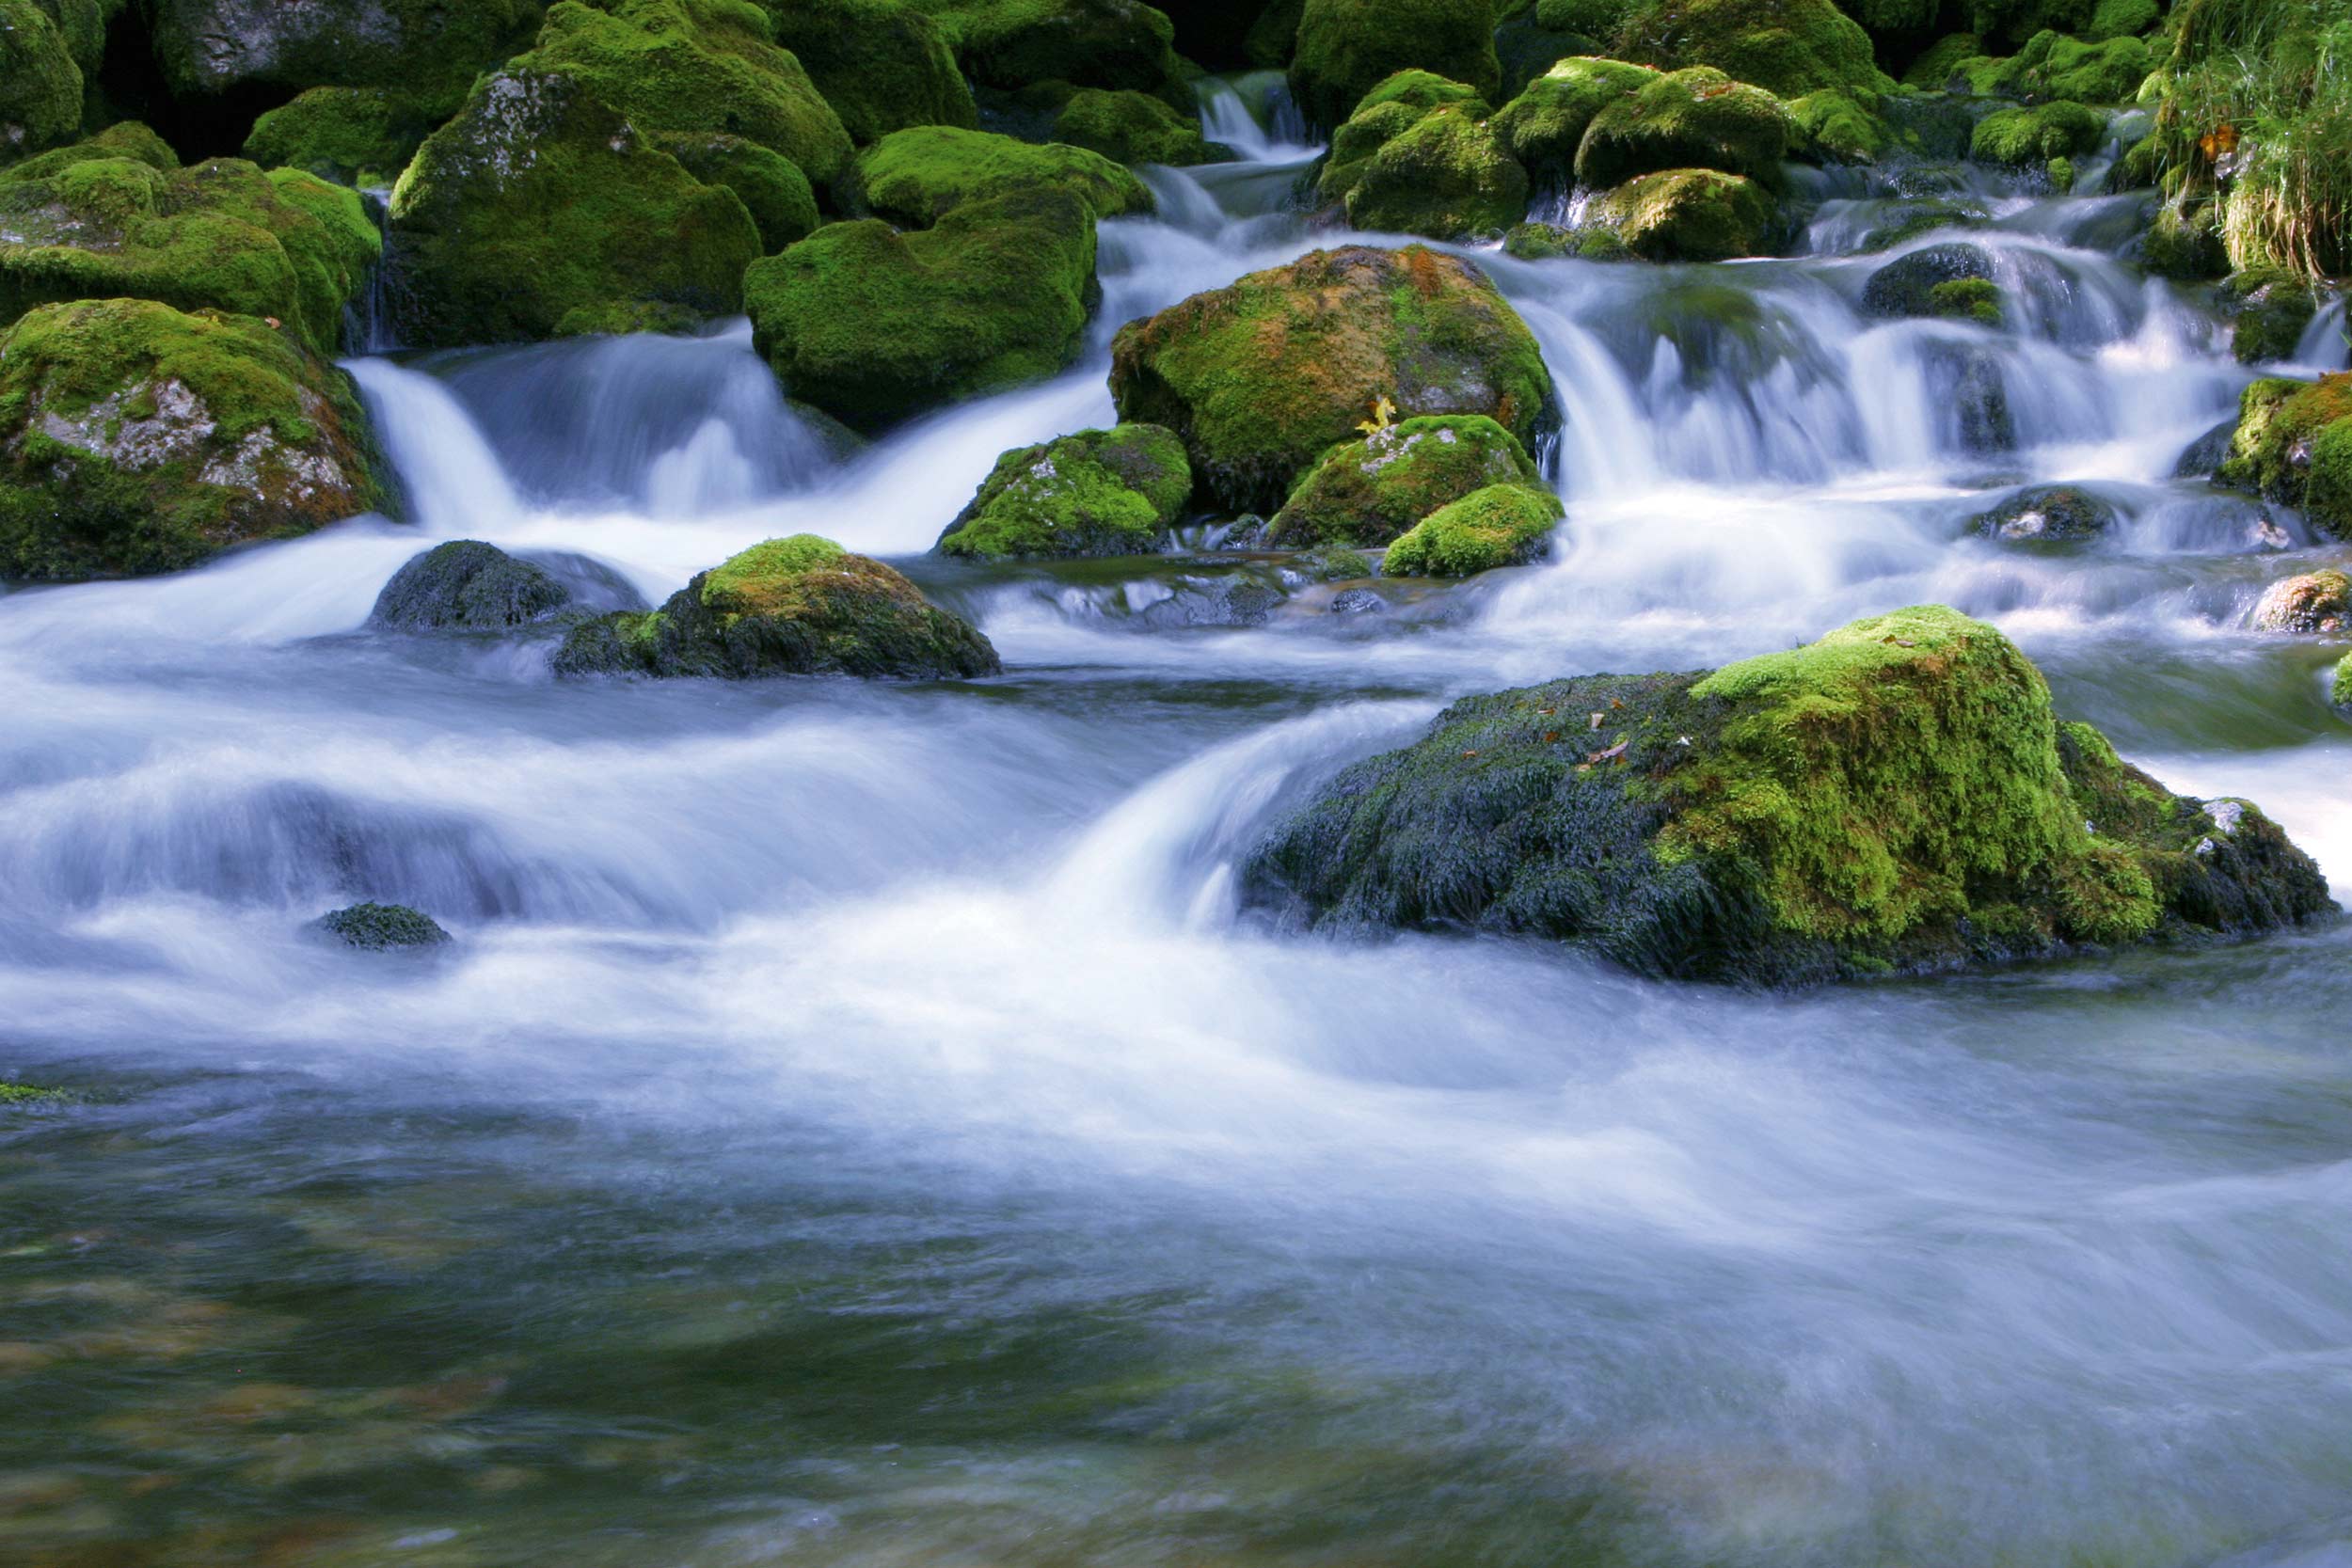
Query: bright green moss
{"type": "Point", "coordinates": [1366, 493]}
{"type": "Point", "coordinates": [1130, 127]}
{"type": "Point", "coordinates": [1502, 524]}
{"type": "Point", "coordinates": [1976, 299]}
{"type": "Point", "coordinates": [14, 1095]}
{"type": "Point", "coordinates": [1544, 125]}
{"type": "Point", "coordinates": [882, 64]}
{"type": "Point", "coordinates": [2294, 445]}
{"type": "Point", "coordinates": [40, 87]}
{"type": "Point", "coordinates": [360, 136]}
{"type": "Point", "coordinates": [1099, 492]}
{"type": "Point", "coordinates": [757, 580]}
{"type": "Point", "coordinates": [772, 188]}
{"type": "Point", "coordinates": [1688, 215]}
{"type": "Point", "coordinates": [128, 139]}
{"type": "Point", "coordinates": [1697, 118]}
{"type": "Point", "coordinates": [1345, 48]}
{"type": "Point", "coordinates": [2340, 690]}
{"type": "Point", "coordinates": [2107, 72]}
{"type": "Point", "coordinates": [1836, 127]}
{"type": "Point", "coordinates": [2020, 137]}
{"type": "Point", "coordinates": [1788, 47]}
{"type": "Point", "coordinates": [916, 177]}
{"type": "Point", "coordinates": [538, 203]}
{"type": "Point", "coordinates": [1447, 176]}
{"type": "Point", "coordinates": [872, 325]}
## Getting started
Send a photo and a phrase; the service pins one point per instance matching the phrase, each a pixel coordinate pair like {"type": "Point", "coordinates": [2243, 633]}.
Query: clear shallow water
{"type": "Point", "coordinates": [855, 1127]}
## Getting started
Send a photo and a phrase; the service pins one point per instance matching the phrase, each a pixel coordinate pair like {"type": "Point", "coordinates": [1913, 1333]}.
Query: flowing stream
{"type": "Point", "coordinates": [855, 1126]}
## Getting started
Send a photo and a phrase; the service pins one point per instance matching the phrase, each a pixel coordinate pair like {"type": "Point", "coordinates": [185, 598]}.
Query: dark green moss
{"type": "Point", "coordinates": [41, 86]}
{"type": "Point", "coordinates": [1013, 44]}
{"type": "Point", "coordinates": [467, 585]}
{"type": "Point", "coordinates": [1697, 118]}
{"type": "Point", "coordinates": [1544, 125]}
{"type": "Point", "coordinates": [1788, 47]}
{"type": "Point", "coordinates": [772, 188]}
{"type": "Point", "coordinates": [1501, 524]}
{"type": "Point", "coordinates": [381, 927]}
{"type": "Point", "coordinates": [2272, 307]}
{"type": "Point", "coordinates": [360, 136]}
{"type": "Point", "coordinates": [1446, 175]}
{"type": "Point", "coordinates": [1906, 286]}
{"type": "Point", "coordinates": [1099, 492]}
{"type": "Point", "coordinates": [1130, 127]}
{"type": "Point", "coordinates": [882, 64]}
{"type": "Point", "coordinates": [1366, 493]}
{"type": "Point", "coordinates": [206, 48]}
{"type": "Point", "coordinates": [1345, 48]}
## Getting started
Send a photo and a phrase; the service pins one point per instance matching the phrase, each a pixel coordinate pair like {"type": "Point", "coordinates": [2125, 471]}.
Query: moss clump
{"type": "Point", "coordinates": [1788, 47]}
{"type": "Point", "coordinates": [539, 211]}
{"type": "Point", "coordinates": [206, 48]}
{"type": "Point", "coordinates": [1693, 119]}
{"type": "Point", "coordinates": [1502, 524]}
{"type": "Point", "coordinates": [2108, 71]}
{"type": "Point", "coordinates": [917, 177]}
{"type": "Point", "coordinates": [1840, 127]}
{"type": "Point", "coordinates": [140, 439]}
{"type": "Point", "coordinates": [1011, 44]}
{"type": "Point", "coordinates": [1895, 796]}
{"type": "Point", "coordinates": [1367, 493]}
{"type": "Point", "coordinates": [1975, 299]}
{"type": "Point", "coordinates": [41, 86]}
{"type": "Point", "coordinates": [2339, 688]}
{"type": "Point", "coordinates": [1688, 214]}
{"type": "Point", "coordinates": [381, 927]}
{"type": "Point", "coordinates": [2273, 309]}
{"type": "Point", "coordinates": [360, 136]}
{"type": "Point", "coordinates": [14, 1095]}
{"type": "Point", "coordinates": [2294, 446]}
{"type": "Point", "coordinates": [1130, 127]}
{"type": "Point", "coordinates": [802, 606]}
{"type": "Point", "coordinates": [1545, 124]}
{"type": "Point", "coordinates": [1260, 377]}
{"type": "Point", "coordinates": [695, 64]}
{"type": "Point", "coordinates": [1445, 176]}
{"type": "Point", "coordinates": [125, 140]}
{"type": "Point", "coordinates": [872, 325]}
{"type": "Point", "coordinates": [772, 189]}
{"type": "Point", "coordinates": [1906, 286]}
{"type": "Point", "coordinates": [1345, 48]}
{"type": "Point", "coordinates": [1100, 492]}
{"type": "Point", "coordinates": [1940, 65]}
{"type": "Point", "coordinates": [2022, 137]}
{"type": "Point", "coordinates": [2315, 602]}
{"type": "Point", "coordinates": [467, 585]}
{"type": "Point", "coordinates": [882, 64]}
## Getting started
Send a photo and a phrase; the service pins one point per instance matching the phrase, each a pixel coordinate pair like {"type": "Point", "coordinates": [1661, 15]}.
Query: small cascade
{"type": "Point", "coordinates": [368, 320]}
{"type": "Point", "coordinates": [455, 485]}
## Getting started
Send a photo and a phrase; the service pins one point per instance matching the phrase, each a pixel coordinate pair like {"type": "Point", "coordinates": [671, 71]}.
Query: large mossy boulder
{"type": "Point", "coordinates": [781, 202]}
{"type": "Point", "coordinates": [2023, 137]}
{"type": "Point", "coordinates": [1425, 162]}
{"type": "Point", "coordinates": [1099, 492]}
{"type": "Point", "coordinates": [540, 211]}
{"type": "Point", "coordinates": [874, 325]}
{"type": "Point", "coordinates": [101, 220]}
{"type": "Point", "coordinates": [1502, 524]}
{"type": "Point", "coordinates": [802, 606]}
{"type": "Point", "coordinates": [1697, 118]}
{"type": "Point", "coordinates": [360, 136]}
{"type": "Point", "coordinates": [1544, 125]}
{"type": "Point", "coordinates": [138, 438]}
{"type": "Point", "coordinates": [467, 585]}
{"type": "Point", "coordinates": [1688, 214]}
{"type": "Point", "coordinates": [883, 64]}
{"type": "Point", "coordinates": [2294, 446]}
{"type": "Point", "coordinates": [1345, 48]}
{"type": "Point", "coordinates": [1898, 796]}
{"type": "Point", "coordinates": [1131, 127]}
{"type": "Point", "coordinates": [41, 86]}
{"type": "Point", "coordinates": [1790, 47]}
{"type": "Point", "coordinates": [207, 48]}
{"type": "Point", "coordinates": [695, 64]}
{"type": "Point", "coordinates": [1011, 44]}
{"type": "Point", "coordinates": [916, 177]}
{"type": "Point", "coordinates": [1260, 377]}
{"type": "Point", "coordinates": [1365, 494]}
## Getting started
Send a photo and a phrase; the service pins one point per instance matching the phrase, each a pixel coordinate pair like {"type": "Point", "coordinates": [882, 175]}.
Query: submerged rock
{"type": "Point", "coordinates": [1367, 493]}
{"type": "Point", "coordinates": [467, 585]}
{"type": "Point", "coordinates": [1898, 796]}
{"type": "Point", "coordinates": [2317, 601]}
{"type": "Point", "coordinates": [2046, 512]}
{"type": "Point", "coordinates": [802, 606]}
{"type": "Point", "coordinates": [380, 927]}
{"type": "Point", "coordinates": [1099, 492]}
{"type": "Point", "coordinates": [1907, 286]}
{"type": "Point", "coordinates": [1260, 377]}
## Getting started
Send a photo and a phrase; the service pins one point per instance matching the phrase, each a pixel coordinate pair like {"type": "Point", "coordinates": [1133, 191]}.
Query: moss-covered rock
{"type": "Point", "coordinates": [1697, 118]}
{"type": "Point", "coordinates": [1367, 493]}
{"type": "Point", "coordinates": [2272, 310]}
{"type": "Point", "coordinates": [1262, 376]}
{"type": "Point", "coordinates": [2294, 446]}
{"type": "Point", "coordinates": [2106, 72]}
{"type": "Point", "coordinates": [2046, 514]}
{"type": "Point", "coordinates": [41, 86]}
{"type": "Point", "coordinates": [127, 139]}
{"type": "Point", "coordinates": [1688, 214]}
{"type": "Point", "coordinates": [1011, 44]}
{"type": "Point", "coordinates": [873, 326]}
{"type": "Point", "coordinates": [883, 64]}
{"type": "Point", "coordinates": [1443, 176]}
{"type": "Point", "coordinates": [1538, 242]}
{"type": "Point", "coordinates": [1345, 48]}
{"type": "Point", "coordinates": [1938, 68]}
{"type": "Point", "coordinates": [1896, 796]}
{"type": "Point", "coordinates": [222, 235]}
{"type": "Point", "coordinates": [381, 927]}
{"type": "Point", "coordinates": [1788, 47]}
{"type": "Point", "coordinates": [83, 24]}
{"type": "Point", "coordinates": [135, 438]}
{"type": "Point", "coordinates": [211, 47]}
{"type": "Point", "coordinates": [16, 1095]}
{"type": "Point", "coordinates": [1099, 492]}
{"type": "Point", "coordinates": [2340, 688]}
{"type": "Point", "coordinates": [2315, 602]}
{"type": "Point", "coordinates": [1502, 524]}
{"type": "Point", "coordinates": [1544, 125]}
{"type": "Point", "coordinates": [778, 195]}
{"type": "Point", "coordinates": [1837, 127]}
{"type": "Point", "coordinates": [1131, 127]}
{"type": "Point", "coordinates": [2022, 137]}
{"type": "Point", "coordinates": [467, 585]}
{"type": "Point", "coordinates": [801, 606]}
{"type": "Point", "coordinates": [1973, 299]}
{"type": "Point", "coordinates": [540, 211]}
{"type": "Point", "coordinates": [916, 177]}
{"type": "Point", "coordinates": [1906, 286]}
{"type": "Point", "coordinates": [353, 136]}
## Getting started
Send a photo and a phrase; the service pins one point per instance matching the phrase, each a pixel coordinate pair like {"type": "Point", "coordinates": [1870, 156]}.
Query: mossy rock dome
{"type": "Point", "coordinates": [781, 202]}
{"type": "Point", "coordinates": [2293, 445]}
{"type": "Point", "coordinates": [1441, 172]}
{"type": "Point", "coordinates": [467, 585]}
{"type": "Point", "coordinates": [1011, 44]}
{"type": "Point", "coordinates": [1697, 118]}
{"type": "Point", "coordinates": [1544, 125]}
{"type": "Point", "coordinates": [1345, 48]}
{"type": "Point", "coordinates": [873, 326]}
{"type": "Point", "coordinates": [883, 64]}
{"type": "Point", "coordinates": [1896, 796]}
{"type": "Point", "coordinates": [1688, 214]}
{"type": "Point", "coordinates": [1788, 47]}
{"type": "Point", "coordinates": [1260, 377]}
{"type": "Point", "coordinates": [102, 220]}
{"type": "Point", "coordinates": [540, 211]}
{"type": "Point", "coordinates": [1502, 524]}
{"type": "Point", "coordinates": [2312, 603]}
{"type": "Point", "coordinates": [1131, 127]}
{"type": "Point", "coordinates": [916, 177]}
{"type": "Point", "coordinates": [1366, 493]}
{"type": "Point", "coordinates": [1099, 492]}
{"type": "Point", "coordinates": [138, 439]}
{"type": "Point", "coordinates": [2047, 513]}
{"type": "Point", "coordinates": [352, 135]}
{"type": "Point", "coordinates": [802, 606]}
{"type": "Point", "coordinates": [2020, 137]}
{"type": "Point", "coordinates": [40, 84]}
{"type": "Point", "coordinates": [211, 47]}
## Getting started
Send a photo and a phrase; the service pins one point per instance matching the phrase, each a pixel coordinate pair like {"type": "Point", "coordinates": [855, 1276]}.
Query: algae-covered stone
{"type": "Point", "coordinates": [1345, 48]}
{"type": "Point", "coordinates": [916, 177]}
{"type": "Point", "coordinates": [1446, 176]}
{"type": "Point", "coordinates": [1788, 47]}
{"type": "Point", "coordinates": [135, 438]}
{"type": "Point", "coordinates": [381, 927]}
{"type": "Point", "coordinates": [352, 135]}
{"type": "Point", "coordinates": [2294, 445]}
{"type": "Point", "coordinates": [1502, 524]}
{"type": "Point", "coordinates": [1688, 214]}
{"type": "Point", "coordinates": [41, 86]}
{"type": "Point", "coordinates": [222, 235]}
{"type": "Point", "coordinates": [1545, 124]}
{"type": "Point", "coordinates": [801, 606]}
{"type": "Point", "coordinates": [1131, 127]}
{"type": "Point", "coordinates": [883, 64]}
{"type": "Point", "coordinates": [778, 195]}
{"type": "Point", "coordinates": [1971, 299]}
{"type": "Point", "coordinates": [1906, 286]}
{"type": "Point", "coordinates": [1899, 795]}
{"type": "Point", "coordinates": [1538, 242]}
{"type": "Point", "coordinates": [695, 64]}
{"type": "Point", "coordinates": [2340, 688]}
{"type": "Point", "coordinates": [2046, 514]}
{"type": "Point", "coordinates": [1011, 44]}
{"type": "Point", "coordinates": [2315, 602]}
{"type": "Point", "coordinates": [467, 585]}
{"type": "Point", "coordinates": [211, 47]}
{"type": "Point", "coordinates": [1260, 377]}
{"type": "Point", "coordinates": [2273, 309]}
{"type": "Point", "coordinates": [1693, 119]}
{"type": "Point", "coordinates": [1366, 493]}
{"type": "Point", "coordinates": [540, 211]}
{"type": "Point", "coordinates": [2021, 137]}
{"type": "Point", "coordinates": [872, 325]}
{"type": "Point", "coordinates": [1099, 492]}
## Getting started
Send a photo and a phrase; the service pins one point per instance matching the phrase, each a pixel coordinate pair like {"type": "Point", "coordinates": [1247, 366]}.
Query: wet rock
{"type": "Point", "coordinates": [2315, 602]}
{"type": "Point", "coordinates": [1966, 382]}
{"type": "Point", "coordinates": [1099, 492]}
{"type": "Point", "coordinates": [1330, 563]}
{"type": "Point", "coordinates": [2272, 311]}
{"type": "Point", "coordinates": [2293, 445]}
{"type": "Point", "coordinates": [1688, 214]}
{"type": "Point", "coordinates": [1906, 286]}
{"type": "Point", "coordinates": [2049, 513]}
{"type": "Point", "coordinates": [210, 47]}
{"type": "Point", "coordinates": [2203, 456]}
{"type": "Point", "coordinates": [1356, 601]}
{"type": "Point", "coordinates": [1728, 827]}
{"type": "Point", "coordinates": [1367, 493]}
{"type": "Point", "coordinates": [802, 606]}
{"type": "Point", "coordinates": [466, 585]}
{"type": "Point", "coordinates": [380, 927]}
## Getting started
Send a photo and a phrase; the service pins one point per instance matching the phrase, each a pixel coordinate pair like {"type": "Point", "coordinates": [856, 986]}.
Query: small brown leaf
{"type": "Point", "coordinates": [1551, 737]}
{"type": "Point", "coordinates": [1615, 703]}
{"type": "Point", "coordinates": [1470, 754]}
{"type": "Point", "coordinates": [273, 321]}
